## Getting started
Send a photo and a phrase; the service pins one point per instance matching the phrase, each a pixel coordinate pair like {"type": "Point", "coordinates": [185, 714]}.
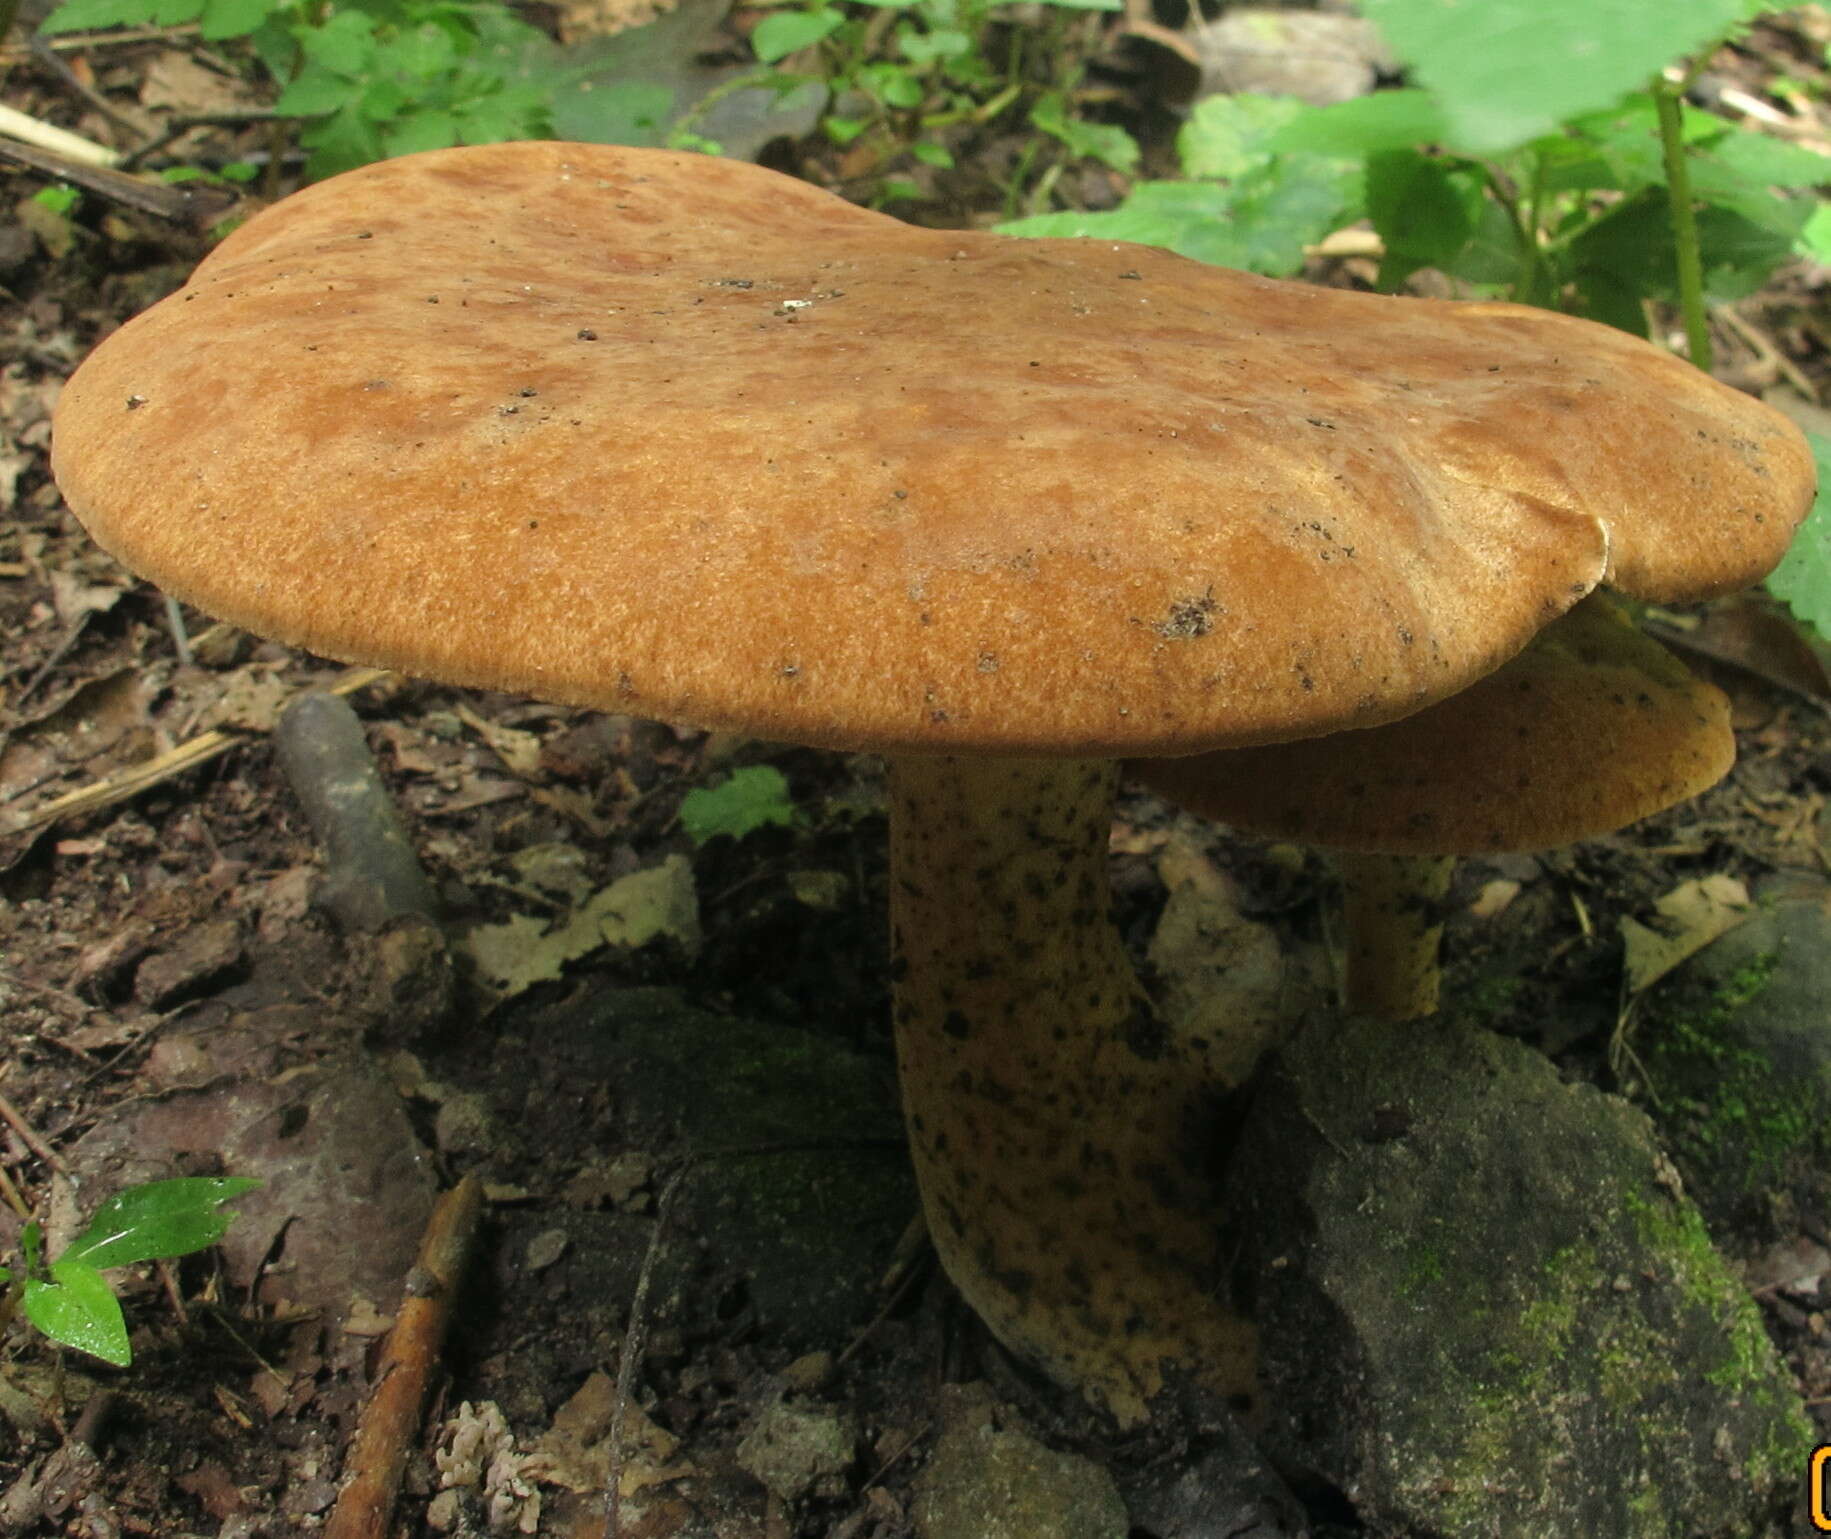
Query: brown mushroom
{"type": "Point", "coordinates": [681, 437]}
{"type": "Point", "coordinates": [1594, 726]}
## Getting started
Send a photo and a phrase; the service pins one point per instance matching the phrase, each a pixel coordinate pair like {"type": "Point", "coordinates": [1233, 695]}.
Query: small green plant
{"type": "Point", "coordinates": [59, 198]}
{"type": "Point", "coordinates": [1241, 202]}
{"type": "Point", "coordinates": [750, 798]}
{"type": "Point", "coordinates": [376, 78]}
{"type": "Point", "coordinates": [903, 73]}
{"type": "Point", "coordinates": [71, 1301]}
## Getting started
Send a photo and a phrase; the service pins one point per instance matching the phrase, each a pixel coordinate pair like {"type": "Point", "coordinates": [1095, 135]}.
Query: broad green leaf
{"type": "Point", "coordinates": [926, 47]}
{"type": "Point", "coordinates": [1505, 71]}
{"type": "Point", "coordinates": [1423, 210]}
{"type": "Point", "coordinates": [1105, 142]}
{"type": "Point", "coordinates": [422, 52]}
{"type": "Point", "coordinates": [79, 1309]}
{"type": "Point", "coordinates": [91, 15]}
{"type": "Point", "coordinates": [503, 115]}
{"type": "Point", "coordinates": [784, 32]}
{"type": "Point", "coordinates": [751, 798]}
{"type": "Point", "coordinates": [339, 142]}
{"type": "Point", "coordinates": [1227, 136]}
{"type": "Point", "coordinates": [232, 18]}
{"type": "Point", "coordinates": [1803, 580]}
{"type": "Point", "coordinates": [1815, 236]}
{"type": "Point", "coordinates": [418, 131]}
{"type": "Point", "coordinates": [1384, 120]}
{"type": "Point", "coordinates": [158, 1220]}
{"type": "Point", "coordinates": [345, 44]}
{"type": "Point", "coordinates": [1628, 256]}
{"type": "Point", "coordinates": [892, 85]}
{"type": "Point", "coordinates": [316, 92]}
{"type": "Point", "coordinates": [383, 100]}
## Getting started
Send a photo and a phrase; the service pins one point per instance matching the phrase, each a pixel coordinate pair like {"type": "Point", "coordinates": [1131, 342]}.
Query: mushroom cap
{"type": "Point", "coordinates": [684, 438]}
{"type": "Point", "coordinates": [1594, 726]}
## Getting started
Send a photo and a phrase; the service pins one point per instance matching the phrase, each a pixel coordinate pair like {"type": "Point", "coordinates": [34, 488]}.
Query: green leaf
{"type": "Point", "coordinates": [345, 44]}
{"type": "Point", "coordinates": [1803, 580]}
{"type": "Point", "coordinates": [1384, 120]}
{"type": "Point", "coordinates": [1627, 256]}
{"type": "Point", "coordinates": [1425, 211]}
{"type": "Point", "coordinates": [314, 93]}
{"type": "Point", "coordinates": [1227, 136]}
{"type": "Point", "coordinates": [60, 199]}
{"type": "Point", "coordinates": [784, 32]}
{"type": "Point", "coordinates": [1505, 71]}
{"type": "Point", "coordinates": [79, 1309]}
{"type": "Point", "coordinates": [932, 154]}
{"type": "Point", "coordinates": [1815, 236]}
{"type": "Point", "coordinates": [418, 131]}
{"type": "Point", "coordinates": [91, 15]}
{"type": "Point", "coordinates": [751, 798]}
{"type": "Point", "coordinates": [892, 85]}
{"type": "Point", "coordinates": [1764, 161]}
{"type": "Point", "coordinates": [339, 141]}
{"type": "Point", "coordinates": [158, 1220]}
{"type": "Point", "coordinates": [232, 18]}
{"type": "Point", "coordinates": [1105, 142]}
{"type": "Point", "coordinates": [927, 47]}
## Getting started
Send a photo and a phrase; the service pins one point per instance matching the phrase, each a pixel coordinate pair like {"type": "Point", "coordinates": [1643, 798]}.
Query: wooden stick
{"type": "Point", "coordinates": [136, 778]}
{"type": "Point", "coordinates": [391, 1420]}
{"type": "Point", "coordinates": [47, 136]}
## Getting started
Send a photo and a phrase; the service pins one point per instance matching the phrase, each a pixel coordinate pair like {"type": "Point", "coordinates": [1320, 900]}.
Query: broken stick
{"type": "Point", "coordinates": [391, 1420]}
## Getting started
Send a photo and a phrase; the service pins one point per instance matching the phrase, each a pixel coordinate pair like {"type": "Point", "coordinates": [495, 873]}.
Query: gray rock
{"type": "Point", "coordinates": [795, 1449]}
{"type": "Point", "coordinates": [1486, 1305]}
{"type": "Point", "coordinates": [987, 1482]}
{"type": "Point", "coordinates": [801, 1183]}
{"type": "Point", "coordinates": [1736, 1047]}
{"type": "Point", "coordinates": [1315, 57]}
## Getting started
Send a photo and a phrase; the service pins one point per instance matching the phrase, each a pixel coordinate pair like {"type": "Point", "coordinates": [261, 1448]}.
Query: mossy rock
{"type": "Point", "coordinates": [1486, 1305]}
{"type": "Point", "coordinates": [799, 1185]}
{"type": "Point", "coordinates": [1736, 1048]}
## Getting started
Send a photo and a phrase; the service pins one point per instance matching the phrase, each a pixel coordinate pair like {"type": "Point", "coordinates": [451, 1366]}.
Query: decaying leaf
{"type": "Point", "coordinates": [571, 1453]}
{"type": "Point", "coordinates": [1693, 914]}
{"type": "Point", "coordinates": [632, 911]}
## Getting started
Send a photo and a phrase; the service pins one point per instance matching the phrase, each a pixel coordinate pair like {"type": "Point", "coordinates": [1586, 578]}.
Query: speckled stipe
{"type": "Point", "coordinates": [1057, 1128]}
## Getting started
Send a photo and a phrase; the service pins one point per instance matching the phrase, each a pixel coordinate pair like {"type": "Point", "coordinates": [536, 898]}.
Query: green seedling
{"type": "Point", "coordinates": [72, 1302]}
{"type": "Point", "coordinates": [374, 78]}
{"type": "Point", "coordinates": [751, 798]}
{"type": "Point", "coordinates": [916, 76]}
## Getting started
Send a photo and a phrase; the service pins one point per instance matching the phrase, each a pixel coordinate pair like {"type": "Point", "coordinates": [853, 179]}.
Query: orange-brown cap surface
{"type": "Point", "coordinates": [1594, 726]}
{"type": "Point", "coordinates": [688, 439]}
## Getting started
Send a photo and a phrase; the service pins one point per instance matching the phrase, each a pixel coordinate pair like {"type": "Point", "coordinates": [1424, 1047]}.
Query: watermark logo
{"type": "Point", "coordinates": [1818, 1482]}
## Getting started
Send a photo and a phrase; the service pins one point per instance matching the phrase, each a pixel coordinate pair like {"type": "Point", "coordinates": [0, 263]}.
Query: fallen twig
{"type": "Point", "coordinates": [391, 1419]}
{"type": "Point", "coordinates": [29, 1135]}
{"type": "Point", "coordinates": [47, 136]}
{"type": "Point", "coordinates": [136, 778]}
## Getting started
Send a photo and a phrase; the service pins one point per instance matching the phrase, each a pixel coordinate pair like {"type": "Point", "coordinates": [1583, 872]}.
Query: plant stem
{"type": "Point", "coordinates": [1668, 102]}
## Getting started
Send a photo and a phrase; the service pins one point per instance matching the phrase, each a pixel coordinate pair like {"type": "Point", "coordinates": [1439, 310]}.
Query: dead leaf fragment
{"type": "Point", "coordinates": [1693, 914]}
{"type": "Point", "coordinates": [632, 911]}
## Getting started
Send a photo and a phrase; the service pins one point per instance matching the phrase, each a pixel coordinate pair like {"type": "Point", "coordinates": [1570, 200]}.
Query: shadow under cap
{"type": "Point", "coordinates": [688, 439]}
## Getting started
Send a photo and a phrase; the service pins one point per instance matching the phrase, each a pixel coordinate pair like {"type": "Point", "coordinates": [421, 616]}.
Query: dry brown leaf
{"type": "Point", "coordinates": [1693, 914]}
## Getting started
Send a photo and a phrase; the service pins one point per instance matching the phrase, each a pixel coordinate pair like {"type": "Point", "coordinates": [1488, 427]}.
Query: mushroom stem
{"type": "Point", "coordinates": [1060, 1135]}
{"type": "Point", "coordinates": [1392, 912]}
